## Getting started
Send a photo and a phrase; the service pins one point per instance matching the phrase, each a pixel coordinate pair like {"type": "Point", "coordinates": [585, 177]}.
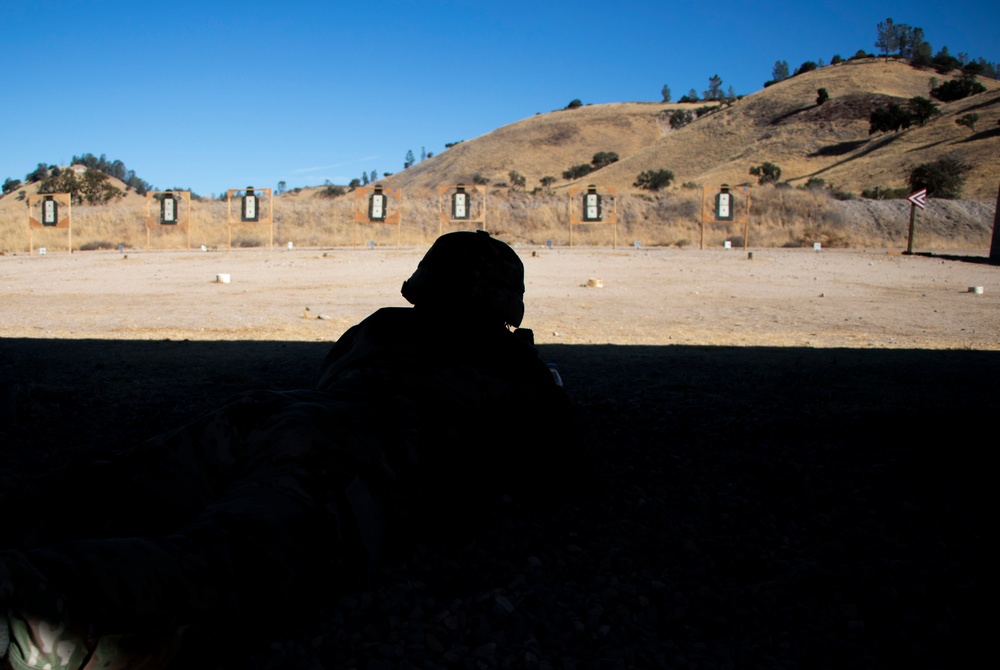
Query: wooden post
{"type": "Point", "coordinates": [746, 225]}
{"type": "Point", "coordinates": [909, 240]}
{"type": "Point", "coordinates": [995, 243]}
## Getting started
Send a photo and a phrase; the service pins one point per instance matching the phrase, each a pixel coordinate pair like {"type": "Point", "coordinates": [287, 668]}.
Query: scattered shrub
{"type": "Point", "coordinates": [956, 89]}
{"type": "Point", "coordinates": [839, 194]}
{"type": "Point", "coordinates": [577, 171]}
{"type": "Point", "coordinates": [246, 241]}
{"type": "Point", "coordinates": [821, 96]}
{"type": "Point", "coordinates": [922, 109]}
{"type": "Point", "coordinates": [517, 180]}
{"type": "Point", "coordinates": [968, 120]}
{"type": "Point", "coordinates": [680, 118]}
{"type": "Point", "coordinates": [884, 193]}
{"type": "Point", "coordinates": [808, 66]}
{"type": "Point", "coordinates": [333, 191]}
{"type": "Point", "coordinates": [768, 173]}
{"type": "Point", "coordinates": [97, 245]}
{"type": "Point", "coordinates": [603, 159]}
{"type": "Point", "coordinates": [573, 104]}
{"type": "Point", "coordinates": [893, 118]}
{"type": "Point", "coordinates": [653, 180]}
{"type": "Point", "coordinates": [943, 178]}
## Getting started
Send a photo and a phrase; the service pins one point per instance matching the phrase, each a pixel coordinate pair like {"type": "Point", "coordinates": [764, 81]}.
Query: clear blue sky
{"type": "Point", "coordinates": [218, 95]}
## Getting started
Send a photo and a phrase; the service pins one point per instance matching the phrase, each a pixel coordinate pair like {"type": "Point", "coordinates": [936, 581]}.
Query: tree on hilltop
{"type": "Point", "coordinates": [807, 66]}
{"type": "Point", "coordinates": [38, 174]}
{"type": "Point", "coordinates": [714, 91]}
{"type": "Point", "coordinates": [10, 185]}
{"type": "Point", "coordinates": [886, 39]}
{"type": "Point", "coordinates": [692, 96]}
{"type": "Point", "coordinates": [93, 187]}
{"type": "Point", "coordinates": [780, 71]}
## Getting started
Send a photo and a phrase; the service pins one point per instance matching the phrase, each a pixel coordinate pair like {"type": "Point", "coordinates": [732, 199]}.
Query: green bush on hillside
{"type": "Point", "coordinates": [767, 173]}
{"type": "Point", "coordinates": [577, 171]}
{"type": "Point", "coordinates": [956, 89]}
{"type": "Point", "coordinates": [603, 159]}
{"type": "Point", "coordinates": [943, 178]}
{"type": "Point", "coordinates": [653, 180]}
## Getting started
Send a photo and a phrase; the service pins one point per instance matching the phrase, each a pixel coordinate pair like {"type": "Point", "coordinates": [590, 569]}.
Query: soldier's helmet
{"type": "Point", "coordinates": [470, 274]}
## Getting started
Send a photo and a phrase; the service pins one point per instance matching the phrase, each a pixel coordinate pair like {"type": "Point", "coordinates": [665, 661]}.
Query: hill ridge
{"type": "Point", "coordinates": [781, 124]}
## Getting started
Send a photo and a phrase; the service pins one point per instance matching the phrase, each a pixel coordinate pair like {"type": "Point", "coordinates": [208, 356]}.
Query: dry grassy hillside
{"type": "Point", "coordinates": [781, 124]}
{"type": "Point", "coordinates": [543, 145]}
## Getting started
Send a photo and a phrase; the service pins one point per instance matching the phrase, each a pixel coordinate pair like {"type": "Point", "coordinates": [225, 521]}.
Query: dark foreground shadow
{"type": "Point", "coordinates": [976, 260]}
{"type": "Point", "coordinates": [756, 507]}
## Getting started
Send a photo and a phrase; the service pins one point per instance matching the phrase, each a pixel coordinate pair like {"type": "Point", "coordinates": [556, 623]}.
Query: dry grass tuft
{"type": "Point", "coordinates": [780, 216]}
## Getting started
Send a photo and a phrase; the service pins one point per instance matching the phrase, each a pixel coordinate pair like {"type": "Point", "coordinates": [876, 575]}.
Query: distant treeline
{"type": "Point", "coordinates": [114, 168]}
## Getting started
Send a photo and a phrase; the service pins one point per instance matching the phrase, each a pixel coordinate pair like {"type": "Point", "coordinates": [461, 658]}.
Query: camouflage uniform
{"type": "Point", "coordinates": [419, 414]}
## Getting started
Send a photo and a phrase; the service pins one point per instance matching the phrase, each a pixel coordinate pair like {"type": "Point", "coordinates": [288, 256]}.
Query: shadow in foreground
{"type": "Point", "coordinates": [756, 507]}
{"type": "Point", "coordinates": [977, 260]}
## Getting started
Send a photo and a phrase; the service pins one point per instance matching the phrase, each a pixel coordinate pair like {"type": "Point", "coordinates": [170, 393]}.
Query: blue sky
{"type": "Point", "coordinates": [219, 95]}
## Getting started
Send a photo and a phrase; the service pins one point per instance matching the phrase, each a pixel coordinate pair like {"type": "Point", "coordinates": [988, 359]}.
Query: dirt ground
{"type": "Point", "coordinates": [792, 450]}
{"type": "Point", "coordinates": [780, 297]}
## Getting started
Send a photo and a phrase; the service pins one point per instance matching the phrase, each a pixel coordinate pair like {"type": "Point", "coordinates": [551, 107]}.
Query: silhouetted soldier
{"type": "Point", "coordinates": [419, 414]}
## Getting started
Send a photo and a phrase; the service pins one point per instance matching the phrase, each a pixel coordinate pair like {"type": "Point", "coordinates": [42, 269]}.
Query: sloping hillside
{"type": "Point", "coordinates": [781, 124]}
{"type": "Point", "coordinates": [16, 201]}
{"type": "Point", "coordinates": [544, 145]}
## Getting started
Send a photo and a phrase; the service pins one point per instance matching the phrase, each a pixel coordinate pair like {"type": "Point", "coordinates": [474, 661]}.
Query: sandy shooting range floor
{"type": "Point", "coordinates": [780, 297]}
